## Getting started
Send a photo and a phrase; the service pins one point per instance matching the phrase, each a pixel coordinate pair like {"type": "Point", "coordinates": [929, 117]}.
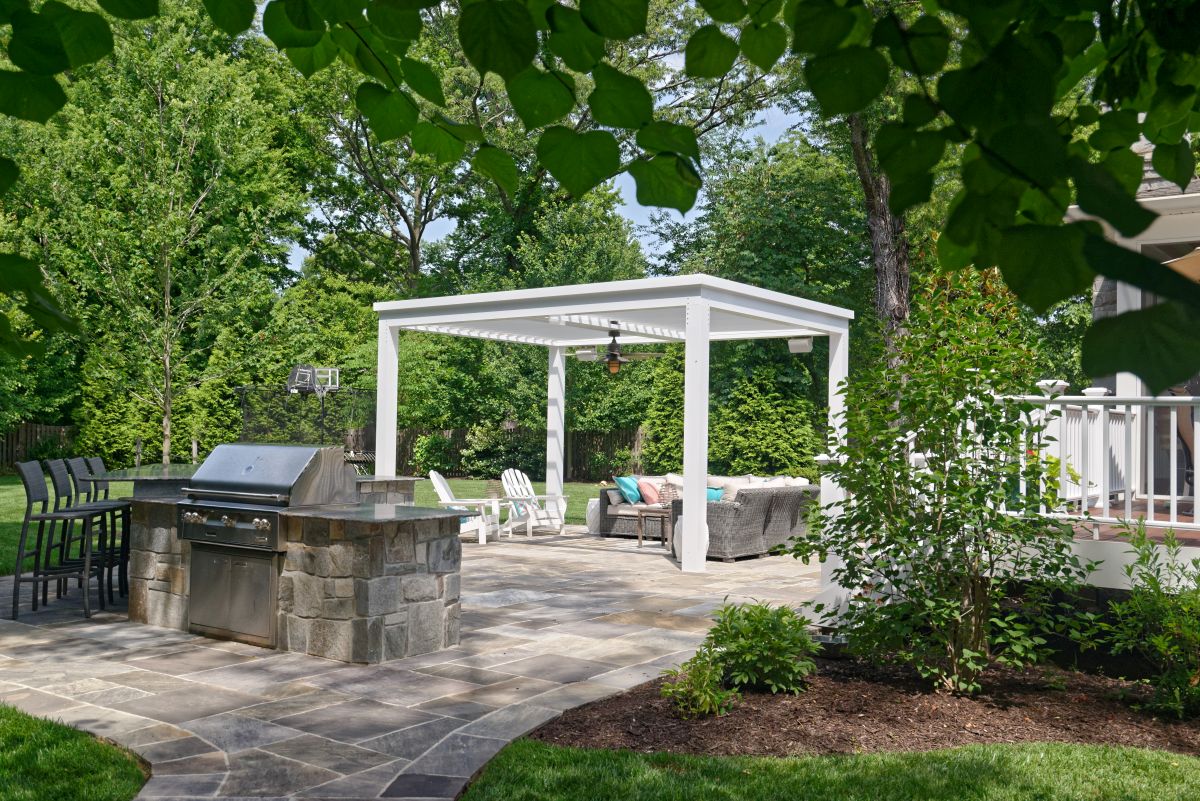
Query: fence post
{"type": "Point", "coordinates": [137, 453]}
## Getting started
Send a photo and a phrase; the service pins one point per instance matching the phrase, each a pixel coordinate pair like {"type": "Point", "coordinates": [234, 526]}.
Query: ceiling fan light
{"type": "Point", "coordinates": [614, 365]}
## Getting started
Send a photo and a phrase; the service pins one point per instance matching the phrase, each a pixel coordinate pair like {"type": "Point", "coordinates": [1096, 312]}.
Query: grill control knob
{"type": "Point", "coordinates": [193, 517]}
{"type": "Point", "coordinates": [262, 524]}
{"type": "Point", "coordinates": [228, 521]}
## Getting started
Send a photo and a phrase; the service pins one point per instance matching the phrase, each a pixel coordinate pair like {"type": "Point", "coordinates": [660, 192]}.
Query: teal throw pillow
{"type": "Point", "coordinates": [715, 494]}
{"type": "Point", "coordinates": [629, 488]}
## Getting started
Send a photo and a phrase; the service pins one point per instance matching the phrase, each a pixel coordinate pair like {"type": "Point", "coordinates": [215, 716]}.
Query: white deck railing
{"type": "Point", "coordinates": [1110, 454]}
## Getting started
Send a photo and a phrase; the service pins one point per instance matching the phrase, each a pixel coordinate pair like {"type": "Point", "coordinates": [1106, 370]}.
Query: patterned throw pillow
{"type": "Point", "coordinates": [667, 493]}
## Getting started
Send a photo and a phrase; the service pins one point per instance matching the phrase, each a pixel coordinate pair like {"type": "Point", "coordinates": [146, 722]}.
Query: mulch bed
{"type": "Point", "coordinates": [851, 708]}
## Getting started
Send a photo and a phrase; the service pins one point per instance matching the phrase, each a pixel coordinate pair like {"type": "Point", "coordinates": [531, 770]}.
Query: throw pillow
{"type": "Point", "coordinates": [675, 480]}
{"type": "Point", "coordinates": [614, 497]}
{"type": "Point", "coordinates": [628, 486]}
{"type": "Point", "coordinates": [648, 491]}
{"type": "Point", "coordinates": [715, 493]}
{"type": "Point", "coordinates": [667, 493]}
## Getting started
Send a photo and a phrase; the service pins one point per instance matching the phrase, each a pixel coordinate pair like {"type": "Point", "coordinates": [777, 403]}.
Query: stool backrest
{"type": "Point", "coordinates": [99, 488]}
{"type": "Point", "coordinates": [34, 481]}
{"type": "Point", "coordinates": [61, 481]}
{"type": "Point", "coordinates": [81, 478]}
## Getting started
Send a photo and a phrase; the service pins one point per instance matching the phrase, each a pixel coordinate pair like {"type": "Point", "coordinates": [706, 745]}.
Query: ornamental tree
{"type": "Point", "coordinates": [1042, 98]}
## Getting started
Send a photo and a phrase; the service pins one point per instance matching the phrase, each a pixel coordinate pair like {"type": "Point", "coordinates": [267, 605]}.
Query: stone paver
{"type": "Point", "coordinates": [547, 624]}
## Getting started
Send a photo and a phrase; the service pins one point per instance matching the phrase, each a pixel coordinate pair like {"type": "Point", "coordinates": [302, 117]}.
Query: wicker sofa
{"type": "Point", "coordinates": [756, 520]}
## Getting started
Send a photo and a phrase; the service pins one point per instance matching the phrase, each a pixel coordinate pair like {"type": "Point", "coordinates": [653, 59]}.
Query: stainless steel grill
{"type": "Point", "coordinates": [232, 517]}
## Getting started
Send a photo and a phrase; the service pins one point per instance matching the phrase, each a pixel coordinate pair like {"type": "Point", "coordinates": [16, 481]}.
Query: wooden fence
{"type": "Point", "coordinates": [589, 455]}
{"type": "Point", "coordinates": [15, 445]}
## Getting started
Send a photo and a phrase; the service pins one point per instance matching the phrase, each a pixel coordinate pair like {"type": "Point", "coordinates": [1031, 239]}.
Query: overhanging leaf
{"type": "Point", "coordinates": [905, 153]}
{"type": "Point", "coordinates": [303, 16]}
{"type": "Point", "coordinates": [1099, 193]}
{"type": "Point", "coordinates": [920, 48]}
{"type": "Point", "coordinates": [310, 60]}
{"type": "Point", "coordinates": [19, 275]}
{"type": "Point", "coordinates": [763, 44]}
{"type": "Point", "coordinates": [395, 21]}
{"type": "Point", "coordinates": [29, 97]}
{"type": "Point", "coordinates": [423, 80]}
{"type": "Point", "coordinates": [619, 100]}
{"type": "Point", "coordinates": [1044, 264]}
{"type": "Point", "coordinates": [819, 26]}
{"type": "Point", "coordinates": [540, 98]}
{"type": "Point", "coordinates": [574, 42]}
{"type": "Point", "coordinates": [615, 19]}
{"type": "Point", "coordinates": [36, 45]}
{"type": "Point", "coordinates": [669, 137]}
{"type": "Point", "coordinates": [130, 9]}
{"type": "Point", "coordinates": [666, 180]}
{"type": "Point", "coordinates": [709, 53]}
{"type": "Point", "coordinates": [1176, 163]}
{"type": "Point", "coordinates": [85, 35]}
{"type": "Point", "coordinates": [8, 174]}
{"type": "Point", "coordinates": [497, 165]}
{"type": "Point", "coordinates": [498, 36]}
{"type": "Point", "coordinates": [579, 162]}
{"type": "Point", "coordinates": [1160, 344]}
{"type": "Point", "coordinates": [231, 16]}
{"type": "Point", "coordinates": [431, 140]}
{"type": "Point", "coordinates": [846, 80]}
{"type": "Point", "coordinates": [1136, 269]}
{"type": "Point", "coordinates": [724, 10]}
{"type": "Point", "coordinates": [391, 114]}
{"type": "Point", "coordinates": [280, 29]}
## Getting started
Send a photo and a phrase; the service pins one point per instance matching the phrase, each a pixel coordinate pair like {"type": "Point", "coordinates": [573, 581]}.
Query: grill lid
{"type": "Point", "coordinates": [281, 474]}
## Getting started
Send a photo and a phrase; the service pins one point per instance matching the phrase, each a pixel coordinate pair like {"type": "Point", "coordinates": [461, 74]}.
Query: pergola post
{"type": "Point", "coordinates": [839, 366]}
{"type": "Point", "coordinates": [693, 539]}
{"type": "Point", "coordinates": [556, 420]}
{"type": "Point", "coordinates": [385, 399]}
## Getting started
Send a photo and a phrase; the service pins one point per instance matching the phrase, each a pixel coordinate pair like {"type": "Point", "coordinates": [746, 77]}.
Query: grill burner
{"type": "Point", "coordinates": [233, 508]}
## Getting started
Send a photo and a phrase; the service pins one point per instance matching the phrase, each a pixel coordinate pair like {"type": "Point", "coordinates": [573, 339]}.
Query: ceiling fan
{"type": "Point", "coordinates": [612, 356]}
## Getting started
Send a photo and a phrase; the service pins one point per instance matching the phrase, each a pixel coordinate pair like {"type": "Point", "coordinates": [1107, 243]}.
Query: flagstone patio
{"type": "Point", "coordinates": [548, 624]}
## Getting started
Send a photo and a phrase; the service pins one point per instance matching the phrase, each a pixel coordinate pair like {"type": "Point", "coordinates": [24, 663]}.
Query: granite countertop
{"type": "Point", "coordinates": [151, 472]}
{"type": "Point", "coordinates": [361, 479]}
{"type": "Point", "coordinates": [373, 512]}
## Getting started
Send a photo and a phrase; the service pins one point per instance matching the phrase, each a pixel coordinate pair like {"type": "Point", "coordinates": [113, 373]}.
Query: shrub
{"type": "Point", "coordinates": [48, 448]}
{"type": "Point", "coordinates": [763, 647]}
{"type": "Point", "coordinates": [761, 430]}
{"type": "Point", "coordinates": [1161, 621]}
{"type": "Point", "coordinates": [947, 566]}
{"type": "Point", "coordinates": [490, 450]}
{"type": "Point", "coordinates": [434, 452]}
{"type": "Point", "coordinates": [697, 688]}
{"type": "Point", "coordinates": [752, 647]}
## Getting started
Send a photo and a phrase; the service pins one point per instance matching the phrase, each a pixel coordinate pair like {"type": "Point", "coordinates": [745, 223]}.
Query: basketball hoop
{"type": "Point", "coordinates": [319, 380]}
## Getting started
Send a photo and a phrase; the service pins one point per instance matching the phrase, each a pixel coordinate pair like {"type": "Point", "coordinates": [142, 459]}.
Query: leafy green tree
{"type": "Point", "coordinates": [160, 204]}
{"type": "Point", "coordinates": [761, 431]}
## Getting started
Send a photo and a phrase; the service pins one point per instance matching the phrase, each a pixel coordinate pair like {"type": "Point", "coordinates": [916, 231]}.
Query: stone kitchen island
{"type": "Point", "coordinates": [360, 582]}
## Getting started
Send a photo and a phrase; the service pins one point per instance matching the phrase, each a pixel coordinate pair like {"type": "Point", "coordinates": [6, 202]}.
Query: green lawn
{"type": "Point", "coordinates": [577, 494]}
{"type": "Point", "coordinates": [41, 761]}
{"type": "Point", "coordinates": [533, 771]}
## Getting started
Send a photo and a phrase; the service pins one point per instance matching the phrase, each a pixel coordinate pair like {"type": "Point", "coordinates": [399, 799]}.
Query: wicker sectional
{"type": "Point", "coordinates": [757, 520]}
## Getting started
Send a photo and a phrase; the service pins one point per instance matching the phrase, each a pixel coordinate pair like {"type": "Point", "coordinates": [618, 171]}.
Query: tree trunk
{"type": "Point", "coordinates": [889, 245]}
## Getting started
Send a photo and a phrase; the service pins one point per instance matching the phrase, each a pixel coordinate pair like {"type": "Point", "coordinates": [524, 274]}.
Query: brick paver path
{"type": "Point", "coordinates": [548, 624]}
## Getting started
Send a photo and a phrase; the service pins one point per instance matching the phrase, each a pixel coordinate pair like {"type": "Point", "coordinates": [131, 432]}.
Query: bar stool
{"type": "Point", "coordinates": [65, 498]}
{"type": "Point", "coordinates": [116, 554]}
{"type": "Point", "coordinates": [44, 570]}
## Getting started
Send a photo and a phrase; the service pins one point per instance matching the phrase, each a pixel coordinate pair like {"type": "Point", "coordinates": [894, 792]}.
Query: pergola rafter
{"type": "Point", "coordinates": [693, 309]}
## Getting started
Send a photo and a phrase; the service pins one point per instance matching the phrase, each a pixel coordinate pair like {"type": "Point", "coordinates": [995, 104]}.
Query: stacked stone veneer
{"type": "Point", "coordinates": [350, 590]}
{"type": "Point", "coordinates": [158, 565]}
{"type": "Point", "coordinates": [369, 592]}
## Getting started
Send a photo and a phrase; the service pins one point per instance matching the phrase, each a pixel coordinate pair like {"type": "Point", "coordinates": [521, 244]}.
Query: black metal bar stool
{"type": "Point", "coordinates": [87, 493]}
{"type": "Point", "coordinates": [37, 540]}
{"type": "Point", "coordinates": [66, 498]}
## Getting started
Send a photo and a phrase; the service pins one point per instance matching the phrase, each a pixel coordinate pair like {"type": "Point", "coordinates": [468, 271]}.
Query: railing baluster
{"type": "Point", "coordinates": [1085, 431]}
{"type": "Point", "coordinates": [1105, 461]}
{"type": "Point", "coordinates": [1174, 451]}
{"type": "Point", "coordinates": [1127, 483]}
{"type": "Point", "coordinates": [1149, 451]}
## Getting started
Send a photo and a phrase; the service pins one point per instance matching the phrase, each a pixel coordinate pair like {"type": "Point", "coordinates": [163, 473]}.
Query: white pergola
{"type": "Point", "coordinates": [693, 309]}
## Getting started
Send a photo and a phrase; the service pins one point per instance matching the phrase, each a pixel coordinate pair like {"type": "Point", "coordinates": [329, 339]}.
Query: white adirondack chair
{"type": "Point", "coordinates": [485, 522]}
{"type": "Point", "coordinates": [527, 507]}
